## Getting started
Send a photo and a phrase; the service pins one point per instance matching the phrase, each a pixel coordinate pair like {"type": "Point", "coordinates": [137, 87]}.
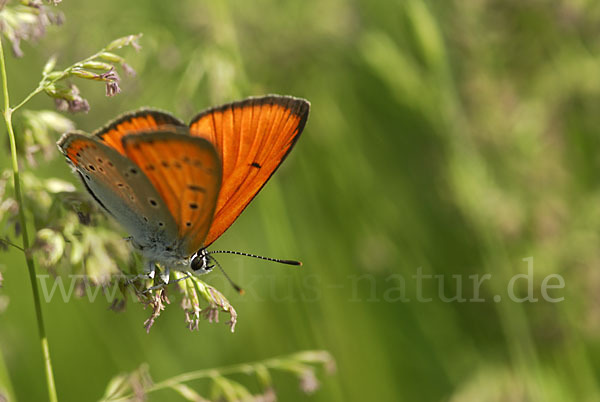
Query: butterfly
{"type": "Point", "coordinates": [175, 187]}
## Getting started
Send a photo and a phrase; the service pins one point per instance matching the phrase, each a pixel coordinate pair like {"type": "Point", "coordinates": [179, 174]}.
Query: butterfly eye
{"type": "Point", "coordinates": [200, 264]}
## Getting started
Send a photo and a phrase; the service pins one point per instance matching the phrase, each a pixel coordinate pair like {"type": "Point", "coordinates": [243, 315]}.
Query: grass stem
{"type": "Point", "coordinates": [7, 114]}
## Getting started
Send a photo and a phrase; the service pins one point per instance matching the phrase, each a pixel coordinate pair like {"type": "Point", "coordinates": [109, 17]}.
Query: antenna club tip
{"type": "Point", "coordinates": [240, 291]}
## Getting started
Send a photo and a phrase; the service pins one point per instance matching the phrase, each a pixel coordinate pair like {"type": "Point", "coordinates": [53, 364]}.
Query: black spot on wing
{"type": "Point", "coordinates": [194, 187]}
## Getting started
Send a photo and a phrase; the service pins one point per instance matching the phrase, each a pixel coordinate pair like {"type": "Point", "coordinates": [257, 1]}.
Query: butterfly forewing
{"type": "Point", "coordinates": [138, 122]}
{"type": "Point", "coordinates": [120, 187]}
{"type": "Point", "coordinates": [186, 171]}
{"type": "Point", "coordinates": [168, 187]}
{"type": "Point", "coordinates": [252, 138]}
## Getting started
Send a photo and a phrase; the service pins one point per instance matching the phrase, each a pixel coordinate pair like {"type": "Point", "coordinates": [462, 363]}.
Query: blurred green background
{"type": "Point", "coordinates": [456, 137]}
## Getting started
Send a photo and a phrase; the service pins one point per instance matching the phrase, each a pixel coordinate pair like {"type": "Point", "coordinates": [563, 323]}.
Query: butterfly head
{"type": "Point", "coordinates": [200, 262]}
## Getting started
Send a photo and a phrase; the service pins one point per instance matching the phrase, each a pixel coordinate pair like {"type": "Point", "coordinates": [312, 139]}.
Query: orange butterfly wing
{"type": "Point", "coordinates": [186, 172]}
{"type": "Point", "coordinates": [138, 122]}
{"type": "Point", "coordinates": [252, 138]}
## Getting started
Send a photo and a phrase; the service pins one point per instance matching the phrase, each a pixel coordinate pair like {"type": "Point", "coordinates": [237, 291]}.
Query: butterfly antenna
{"type": "Point", "coordinates": [288, 262]}
{"type": "Point", "coordinates": [233, 284]}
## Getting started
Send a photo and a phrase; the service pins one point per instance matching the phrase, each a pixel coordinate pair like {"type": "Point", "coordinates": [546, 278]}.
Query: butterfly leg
{"type": "Point", "coordinates": [150, 269]}
{"type": "Point", "coordinates": [160, 285]}
{"type": "Point", "coordinates": [164, 275]}
{"type": "Point", "coordinates": [149, 272]}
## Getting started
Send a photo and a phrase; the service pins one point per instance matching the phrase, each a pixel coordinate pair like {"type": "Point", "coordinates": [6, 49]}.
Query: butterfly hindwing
{"type": "Point", "coordinates": [199, 183]}
{"type": "Point", "coordinates": [140, 121]}
{"type": "Point", "coordinates": [186, 171]}
{"type": "Point", "coordinates": [120, 187]}
{"type": "Point", "coordinates": [252, 138]}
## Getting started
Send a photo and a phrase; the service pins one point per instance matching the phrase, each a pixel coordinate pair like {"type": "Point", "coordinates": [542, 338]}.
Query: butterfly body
{"type": "Point", "coordinates": [177, 188]}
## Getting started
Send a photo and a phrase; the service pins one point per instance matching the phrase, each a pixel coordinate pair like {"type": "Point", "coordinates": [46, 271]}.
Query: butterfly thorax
{"type": "Point", "coordinates": [155, 249]}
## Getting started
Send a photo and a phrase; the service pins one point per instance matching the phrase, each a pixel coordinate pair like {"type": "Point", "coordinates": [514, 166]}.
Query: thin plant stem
{"type": "Point", "coordinates": [7, 114]}
{"type": "Point", "coordinates": [46, 81]}
{"type": "Point", "coordinates": [248, 368]}
{"type": "Point", "coordinates": [36, 91]}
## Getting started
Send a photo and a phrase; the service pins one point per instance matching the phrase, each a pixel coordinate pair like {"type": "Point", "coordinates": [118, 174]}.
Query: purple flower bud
{"type": "Point", "coordinates": [32, 4]}
{"type": "Point", "coordinates": [74, 105]}
{"type": "Point", "coordinates": [16, 47]}
{"type": "Point", "coordinates": [79, 105]}
{"type": "Point", "coordinates": [309, 382]}
{"type": "Point", "coordinates": [135, 44]}
{"type": "Point", "coordinates": [57, 19]}
{"type": "Point", "coordinates": [61, 105]}
{"type": "Point", "coordinates": [112, 88]}
{"type": "Point", "coordinates": [157, 303]}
